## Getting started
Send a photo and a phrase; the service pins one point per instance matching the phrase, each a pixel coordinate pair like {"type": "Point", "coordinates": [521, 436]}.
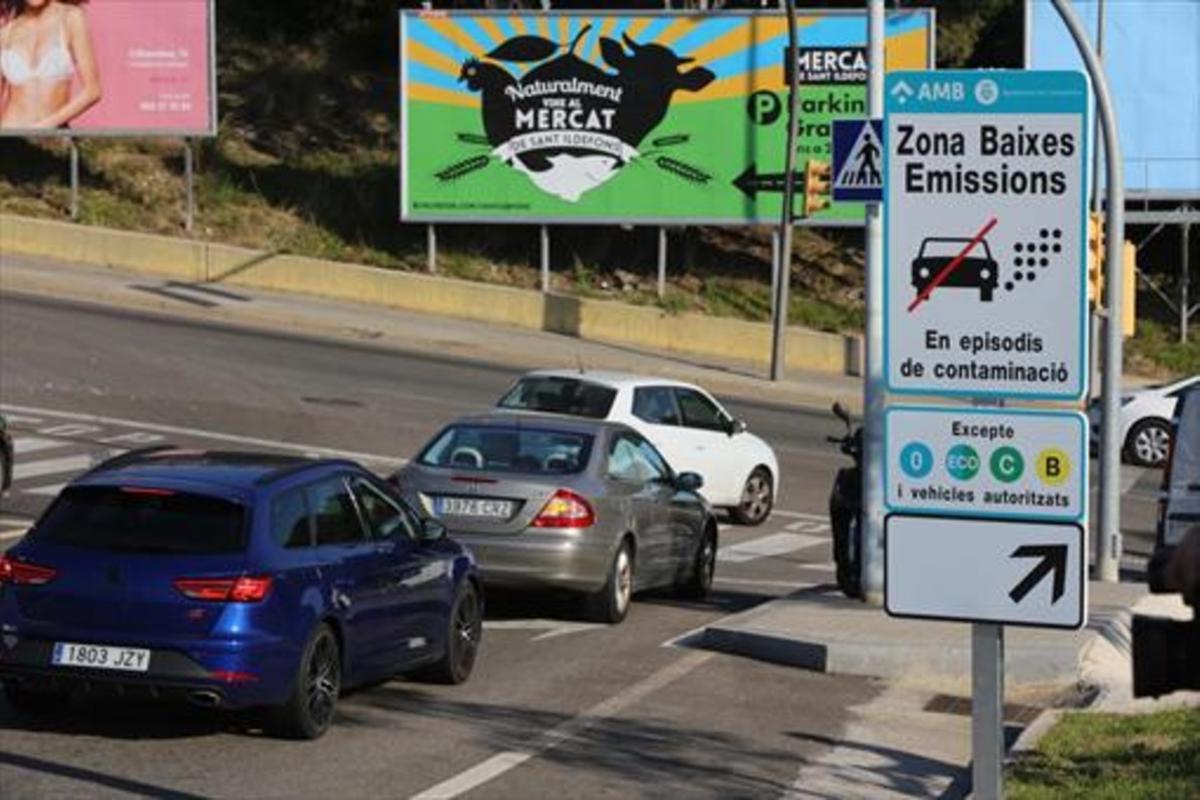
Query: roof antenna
{"type": "Point", "coordinates": [579, 360]}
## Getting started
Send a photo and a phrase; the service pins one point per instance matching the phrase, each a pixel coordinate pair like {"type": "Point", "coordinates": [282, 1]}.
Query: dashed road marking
{"type": "Point", "coordinates": [24, 445]}
{"type": "Point", "coordinates": [24, 470]}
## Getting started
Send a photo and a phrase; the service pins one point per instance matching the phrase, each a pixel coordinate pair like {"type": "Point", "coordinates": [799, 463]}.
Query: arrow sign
{"type": "Point", "coordinates": [1054, 558]}
{"type": "Point", "coordinates": [751, 183]}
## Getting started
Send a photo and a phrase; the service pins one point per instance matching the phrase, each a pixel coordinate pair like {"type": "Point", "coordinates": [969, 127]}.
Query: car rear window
{"type": "Point", "coordinates": [530, 451]}
{"type": "Point", "coordinates": [557, 395]}
{"type": "Point", "coordinates": [138, 520]}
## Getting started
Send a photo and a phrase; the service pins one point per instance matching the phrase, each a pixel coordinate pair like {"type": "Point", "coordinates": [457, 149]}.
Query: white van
{"type": "Point", "coordinates": [1179, 503]}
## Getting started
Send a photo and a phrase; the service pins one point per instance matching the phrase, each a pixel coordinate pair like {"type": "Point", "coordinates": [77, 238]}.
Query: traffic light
{"type": "Point", "coordinates": [1128, 288]}
{"type": "Point", "coordinates": [818, 184]}
{"type": "Point", "coordinates": [1095, 259]}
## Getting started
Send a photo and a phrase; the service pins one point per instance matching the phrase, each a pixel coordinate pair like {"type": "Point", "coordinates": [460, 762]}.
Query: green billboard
{"type": "Point", "coordinates": [626, 118]}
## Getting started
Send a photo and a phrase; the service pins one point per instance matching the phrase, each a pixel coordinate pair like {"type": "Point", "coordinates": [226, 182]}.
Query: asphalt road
{"type": "Point", "coordinates": [587, 710]}
{"type": "Point", "coordinates": [556, 708]}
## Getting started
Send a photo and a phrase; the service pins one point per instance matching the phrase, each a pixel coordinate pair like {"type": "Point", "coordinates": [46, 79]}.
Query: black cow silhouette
{"type": "Point", "coordinates": [650, 76]}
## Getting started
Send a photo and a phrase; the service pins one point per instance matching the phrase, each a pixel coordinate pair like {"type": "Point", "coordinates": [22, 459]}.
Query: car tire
{"type": "Point", "coordinates": [611, 604]}
{"type": "Point", "coordinates": [1148, 443]}
{"type": "Point", "coordinates": [758, 499]}
{"type": "Point", "coordinates": [309, 710]}
{"type": "Point", "coordinates": [462, 639]}
{"type": "Point", "coordinates": [25, 701]}
{"type": "Point", "coordinates": [704, 566]}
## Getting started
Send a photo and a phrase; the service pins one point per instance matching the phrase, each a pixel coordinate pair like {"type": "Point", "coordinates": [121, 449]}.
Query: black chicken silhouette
{"type": "Point", "coordinates": [634, 100]}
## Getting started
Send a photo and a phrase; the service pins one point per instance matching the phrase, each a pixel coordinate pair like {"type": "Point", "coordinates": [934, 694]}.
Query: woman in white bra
{"type": "Point", "coordinates": [44, 47]}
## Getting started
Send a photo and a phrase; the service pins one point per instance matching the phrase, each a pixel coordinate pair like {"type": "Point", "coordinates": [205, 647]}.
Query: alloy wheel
{"type": "Point", "coordinates": [756, 497]}
{"type": "Point", "coordinates": [467, 629]}
{"type": "Point", "coordinates": [623, 585]}
{"type": "Point", "coordinates": [1151, 444]}
{"type": "Point", "coordinates": [323, 681]}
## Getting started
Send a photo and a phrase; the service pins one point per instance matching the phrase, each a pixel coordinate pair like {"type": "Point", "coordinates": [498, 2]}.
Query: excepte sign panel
{"type": "Point", "coordinates": [627, 118]}
{"type": "Point", "coordinates": [985, 256]}
{"type": "Point", "coordinates": [985, 463]}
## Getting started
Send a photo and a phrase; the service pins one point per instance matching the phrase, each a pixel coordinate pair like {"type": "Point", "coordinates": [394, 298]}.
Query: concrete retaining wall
{"type": "Point", "coordinates": [598, 320]}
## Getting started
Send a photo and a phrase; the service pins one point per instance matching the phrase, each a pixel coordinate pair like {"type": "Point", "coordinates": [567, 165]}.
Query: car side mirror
{"type": "Point", "coordinates": [689, 481]}
{"type": "Point", "coordinates": [432, 531]}
{"type": "Point", "coordinates": [737, 426]}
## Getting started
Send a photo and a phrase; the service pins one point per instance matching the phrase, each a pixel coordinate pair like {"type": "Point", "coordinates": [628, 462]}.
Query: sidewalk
{"type": "Point", "coordinates": [821, 630]}
{"type": "Point", "coordinates": [514, 347]}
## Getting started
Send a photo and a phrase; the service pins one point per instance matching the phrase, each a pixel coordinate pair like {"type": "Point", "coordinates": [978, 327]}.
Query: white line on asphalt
{"type": "Point", "coordinates": [775, 544]}
{"type": "Point", "coordinates": [550, 628]}
{"type": "Point", "coordinates": [793, 585]}
{"type": "Point", "coordinates": [21, 419]}
{"type": "Point", "coordinates": [51, 466]}
{"type": "Point", "coordinates": [501, 763]}
{"type": "Point", "coordinates": [800, 515]}
{"type": "Point", "coordinates": [23, 445]}
{"type": "Point", "coordinates": [17, 534]}
{"type": "Point", "coordinates": [49, 490]}
{"type": "Point", "coordinates": [221, 437]}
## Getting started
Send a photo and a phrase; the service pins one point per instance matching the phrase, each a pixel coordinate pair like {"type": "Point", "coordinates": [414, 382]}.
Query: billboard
{"type": "Point", "coordinates": [1153, 67]}
{"type": "Point", "coordinates": [626, 118]}
{"type": "Point", "coordinates": [107, 67]}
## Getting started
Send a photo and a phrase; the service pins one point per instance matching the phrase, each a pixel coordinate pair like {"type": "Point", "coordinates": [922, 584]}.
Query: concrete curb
{"type": "Point", "coordinates": [599, 320]}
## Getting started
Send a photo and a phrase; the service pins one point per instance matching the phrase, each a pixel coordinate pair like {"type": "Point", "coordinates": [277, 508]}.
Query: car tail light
{"type": "Point", "coordinates": [225, 590]}
{"type": "Point", "coordinates": [22, 573]}
{"type": "Point", "coordinates": [565, 509]}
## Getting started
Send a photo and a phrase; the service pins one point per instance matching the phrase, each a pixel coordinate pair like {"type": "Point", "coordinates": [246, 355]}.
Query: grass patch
{"type": "Point", "coordinates": [1114, 757]}
{"type": "Point", "coordinates": [1157, 347]}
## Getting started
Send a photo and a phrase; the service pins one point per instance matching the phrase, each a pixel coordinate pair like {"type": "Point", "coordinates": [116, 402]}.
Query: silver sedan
{"type": "Point", "coordinates": [584, 505]}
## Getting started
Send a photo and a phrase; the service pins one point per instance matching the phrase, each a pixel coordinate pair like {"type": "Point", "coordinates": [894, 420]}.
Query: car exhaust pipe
{"type": "Point", "coordinates": [205, 699]}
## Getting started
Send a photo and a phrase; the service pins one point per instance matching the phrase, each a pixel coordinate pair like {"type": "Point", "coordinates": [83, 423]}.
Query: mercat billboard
{"type": "Point", "coordinates": [626, 118]}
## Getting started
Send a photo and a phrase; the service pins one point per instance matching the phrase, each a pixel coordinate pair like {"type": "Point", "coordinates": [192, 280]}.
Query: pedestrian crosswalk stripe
{"type": "Point", "coordinates": [775, 544]}
{"type": "Point", "coordinates": [51, 466]}
{"type": "Point", "coordinates": [49, 490]}
{"type": "Point", "coordinates": [23, 445]}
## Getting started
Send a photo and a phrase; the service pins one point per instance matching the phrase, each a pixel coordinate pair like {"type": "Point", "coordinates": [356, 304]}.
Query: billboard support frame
{"type": "Point", "coordinates": [74, 170]}
{"type": "Point", "coordinates": [189, 179]}
{"type": "Point", "coordinates": [662, 262]}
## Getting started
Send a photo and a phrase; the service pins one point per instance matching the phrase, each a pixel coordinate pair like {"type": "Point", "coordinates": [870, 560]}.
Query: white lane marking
{"type": "Point", "coordinates": [501, 763]}
{"type": "Point", "coordinates": [808, 526]}
{"type": "Point", "coordinates": [797, 586]}
{"type": "Point", "coordinates": [550, 628]}
{"type": "Point", "coordinates": [51, 466]}
{"type": "Point", "coordinates": [23, 445]}
{"type": "Point", "coordinates": [800, 515]}
{"type": "Point", "coordinates": [14, 534]}
{"type": "Point", "coordinates": [326, 452]}
{"type": "Point", "coordinates": [21, 419]}
{"type": "Point", "coordinates": [49, 490]}
{"type": "Point", "coordinates": [775, 544]}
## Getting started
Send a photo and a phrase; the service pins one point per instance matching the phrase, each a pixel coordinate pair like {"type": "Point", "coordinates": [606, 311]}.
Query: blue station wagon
{"type": "Point", "coordinates": [232, 580]}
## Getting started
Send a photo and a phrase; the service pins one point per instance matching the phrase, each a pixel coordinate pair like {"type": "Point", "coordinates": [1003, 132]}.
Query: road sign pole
{"type": "Point", "coordinates": [873, 385]}
{"type": "Point", "coordinates": [544, 250]}
{"type": "Point", "coordinates": [780, 300]}
{"type": "Point", "coordinates": [74, 178]}
{"type": "Point", "coordinates": [1108, 554]}
{"type": "Point", "coordinates": [987, 711]}
{"type": "Point", "coordinates": [662, 262]}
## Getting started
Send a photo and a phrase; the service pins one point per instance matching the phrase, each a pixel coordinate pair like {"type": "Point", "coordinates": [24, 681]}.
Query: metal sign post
{"type": "Point", "coordinates": [874, 397]}
{"type": "Point", "coordinates": [662, 263]}
{"type": "Point", "coordinates": [431, 248]}
{"type": "Point", "coordinates": [189, 179]}
{"type": "Point", "coordinates": [74, 177]}
{"type": "Point", "coordinates": [544, 255]}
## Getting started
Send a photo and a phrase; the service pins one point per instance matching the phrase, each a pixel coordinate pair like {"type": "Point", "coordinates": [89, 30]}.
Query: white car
{"type": "Point", "coordinates": [1145, 421]}
{"type": "Point", "coordinates": [687, 425]}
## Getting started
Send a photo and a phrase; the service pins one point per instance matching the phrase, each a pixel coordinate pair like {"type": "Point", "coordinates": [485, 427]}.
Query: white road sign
{"type": "Point", "coordinates": [985, 233]}
{"type": "Point", "coordinates": [1004, 464]}
{"type": "Point", "coordinates": [975, 570]}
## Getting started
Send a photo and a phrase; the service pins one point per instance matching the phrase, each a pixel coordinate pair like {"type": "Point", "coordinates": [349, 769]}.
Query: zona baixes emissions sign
{"type": "Point", "coordinates": [985, 230]}
{"type": "Point", "coordinates": [633, 118]}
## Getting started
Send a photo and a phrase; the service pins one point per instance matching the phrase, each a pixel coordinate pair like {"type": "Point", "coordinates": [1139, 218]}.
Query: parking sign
{"type": "Point", "coordinates": [985, 234]}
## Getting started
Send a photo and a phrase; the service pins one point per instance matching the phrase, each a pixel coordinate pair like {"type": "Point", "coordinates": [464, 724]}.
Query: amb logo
{"type": "Point", "coordinates": [569, 125]}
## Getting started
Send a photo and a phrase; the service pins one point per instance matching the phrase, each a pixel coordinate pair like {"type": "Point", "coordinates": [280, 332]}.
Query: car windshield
{"type": "Point", "coordinates": [559, 395]}
{"type": "Point", "coordinates": [141, 520]}
{"type": "Point", "coordinates": [502, 449]}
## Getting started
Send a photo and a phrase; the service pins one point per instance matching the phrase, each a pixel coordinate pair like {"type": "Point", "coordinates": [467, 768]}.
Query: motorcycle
{"type": "Point", "coordinates": [845, 508]}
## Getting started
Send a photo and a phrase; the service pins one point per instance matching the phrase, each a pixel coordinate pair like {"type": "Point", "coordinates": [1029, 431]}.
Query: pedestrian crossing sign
{"type": "Point", "coordinates": [858, 160]}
